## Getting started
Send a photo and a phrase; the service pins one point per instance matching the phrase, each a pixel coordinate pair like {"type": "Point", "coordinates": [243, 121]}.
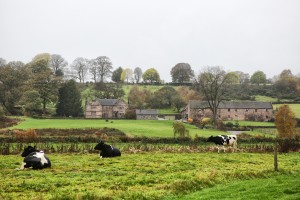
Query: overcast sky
{"type": "Point", "coordinates": [244, 35]}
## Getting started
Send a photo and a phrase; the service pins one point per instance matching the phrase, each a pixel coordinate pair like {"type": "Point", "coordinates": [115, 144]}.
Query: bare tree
{"type": "Point", "coordinates": [57, 64]}
{"type": "Point", "coordinates": [80, 67]}
{"type": "Point", "coordinates": [104, 67]}
{"type": "Point", "coordinates": [138, 74]}
{"type": "Point", "coordinates": [213, 84]}
{"type": "Point", "coordinates": [93, 69]}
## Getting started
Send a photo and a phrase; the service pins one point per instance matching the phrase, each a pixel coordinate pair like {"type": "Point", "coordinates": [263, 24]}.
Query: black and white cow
{"type": "Point", "coordinates": [34, 158]}
{"type": "Point", "coordinates": [107, 150]}
{"type": "Point", "coordinates": [224, 140]}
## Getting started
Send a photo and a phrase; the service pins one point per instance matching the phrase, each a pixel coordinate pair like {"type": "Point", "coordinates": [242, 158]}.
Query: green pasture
{"type": "Point", "coordinates": [148, 128]}
{"type": "Point", "coordinates": [295, 108]}
{"type": "Point", "coordinates": [285, 187]}
{"type": "Point", "coordinates": [154, 175]}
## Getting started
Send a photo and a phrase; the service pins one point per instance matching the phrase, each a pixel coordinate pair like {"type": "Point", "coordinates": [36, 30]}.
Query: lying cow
{"type": "Point", "coordinates": [224, 140]}
{"type": "Point", "coordinates": [107, 150]}
{"type": "Point", "coordinates": [34, 158]}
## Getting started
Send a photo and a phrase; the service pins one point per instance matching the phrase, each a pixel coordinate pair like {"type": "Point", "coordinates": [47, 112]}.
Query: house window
{"type": "Point", "coordinates": [246, 110]}
{"type": "Point", "coordinates": [228, 109]}
{"type": "Point", "coordinates": [94, 113]}
{"type": "Point", "coordinates": [255, 110]}
{"type": "Point", "coordinates": [235, 110]}
{"type": "Point", "coordinates": [267, 117]}
{"type": "Point", "coordinates": [266, 110]}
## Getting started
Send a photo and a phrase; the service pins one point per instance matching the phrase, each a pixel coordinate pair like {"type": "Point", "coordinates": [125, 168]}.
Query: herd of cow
{"type": "Point", "coordinates": [36, 159]}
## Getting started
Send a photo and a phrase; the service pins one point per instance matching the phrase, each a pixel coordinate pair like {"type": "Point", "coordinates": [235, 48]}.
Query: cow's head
{"type": "Point", "coordinates": [28, 150]}
{"type": "Point", "coordinates": [100, 146]}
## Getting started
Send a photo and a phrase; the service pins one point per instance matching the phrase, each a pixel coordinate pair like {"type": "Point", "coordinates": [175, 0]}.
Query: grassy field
{"type": "Point", "coordinates": [152, 176]}
{"type": "Point", "coordinates": [295, 108]}
{"type": "Point", "coordinates": [149, 128]}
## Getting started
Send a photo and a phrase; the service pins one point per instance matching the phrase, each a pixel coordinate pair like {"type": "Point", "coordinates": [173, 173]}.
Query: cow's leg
{"type": "Point", "coordinates": [22, 166]}
{"type": "Point", "coordinates": [218, 149]}
{"type": "Point", "coordinates": [224, 148]}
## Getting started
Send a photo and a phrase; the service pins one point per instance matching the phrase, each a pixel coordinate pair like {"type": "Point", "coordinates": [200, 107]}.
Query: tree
{"type": "Point", "coordinates": [178, 102]}
{"type": "Point", "coordinates": [179, 129]}
{"type": "Point", "coordinates": [213, 84]}
{"type": "Point", "coordinates": [116, 75]}
{"type": "Point", "coordinates": [103, 66]}
{"type": "Point", "coordinates": [138, 98]}
{"type": "Point", "coordinates": [137, 74]}
{"type": "Point", "coordinates": [44, 82]}
{"type": "Point", "coordinates": [233, 78]}
{"type": "Point", "coordinates": [188, 94]}
{"type": "Point", "coordinates": [57, 63]}
{"type": "Point", "coordinates": [151, 75]}
{"type": "Point", "coordinates": [69, 100]}
{"type": "Point", "coordinates": [285, 122]}
{"type": "Point", "coordinates": [80, 66]}
{"type": "Point", "coordinates": [13, 77]}
{"type": "Point", "coordinates": [32, 102]}
{"type": "Point", "coordinates": [93, 69]}
{"type": "Point", "coordinates": [287, 84]}
{"type": "Point", "coordinates": [182, 72]}
{"type": "Point", "coordinates": [127, 75]}
{"type": "Point", "coordinates": [162, 98]}
{"type": "Point", "coordinates": [108, 91]}
{"type": "Point", "coordinates": [258, 77]}
{"type": "Point", "coordinates": [244, 78]}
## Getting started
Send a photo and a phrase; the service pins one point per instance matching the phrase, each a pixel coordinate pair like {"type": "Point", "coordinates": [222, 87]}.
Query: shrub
{"type": "Point", "coordinates": [26, 136]}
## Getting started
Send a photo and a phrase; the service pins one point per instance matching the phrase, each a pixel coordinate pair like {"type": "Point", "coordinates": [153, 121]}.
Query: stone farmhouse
{"type": "Point", "coordinates": [150, 114]}
{"type": "Point", "coordinates": [106, 109]}
{"type": "Point", "coordinates": [230, 110]}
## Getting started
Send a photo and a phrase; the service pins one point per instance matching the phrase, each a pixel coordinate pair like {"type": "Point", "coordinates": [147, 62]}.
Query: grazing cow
{"type": "Point", "coordinates": [34, 158]}
{"type": "Point", "coordinates": [224, 140]}
{"type": "Point", "coordinates": [107, 150]}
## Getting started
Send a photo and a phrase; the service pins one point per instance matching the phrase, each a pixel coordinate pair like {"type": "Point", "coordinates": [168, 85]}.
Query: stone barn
{"type": "Point", "coordinates": [230, 110]}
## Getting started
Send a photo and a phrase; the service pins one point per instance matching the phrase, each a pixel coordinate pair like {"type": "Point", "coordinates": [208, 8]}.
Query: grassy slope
{"type": "Point", "coordinates": [277, 187]}
{"type": "Point", "coordinates": [143, 176]}
{"type": "Point", "coordinates": [149, 128]}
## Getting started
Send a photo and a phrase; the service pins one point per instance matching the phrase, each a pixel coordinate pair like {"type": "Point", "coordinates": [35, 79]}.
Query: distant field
{"type": "Point", "coordinates": [148, 128]}
{"type": "Point", "coordinates": [153, 176]}
{"type": "Point", "coordinates": [295, 108]}
{"type": "Point", "coordinates": [265, 98]}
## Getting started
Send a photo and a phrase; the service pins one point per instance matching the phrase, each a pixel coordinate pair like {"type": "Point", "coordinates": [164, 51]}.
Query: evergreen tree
{"type": "Point", "coordinates": [69, 100]}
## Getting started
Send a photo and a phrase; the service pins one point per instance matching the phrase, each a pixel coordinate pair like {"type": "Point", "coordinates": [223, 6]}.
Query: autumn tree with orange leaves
{"type": "Point", "coordinates": [285, 122]}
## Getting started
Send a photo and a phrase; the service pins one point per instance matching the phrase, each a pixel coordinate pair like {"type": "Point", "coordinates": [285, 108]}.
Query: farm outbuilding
{"type": "Point", "coordinates": [150, 114]}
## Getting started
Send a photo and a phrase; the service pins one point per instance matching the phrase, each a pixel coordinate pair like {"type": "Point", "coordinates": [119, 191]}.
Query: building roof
{"type": "Point", "coordinates": [232, 104]}
{"type": "Point", "coordinates": [105, 102]}
{"type": "Point", "coordinates": [146, 112]}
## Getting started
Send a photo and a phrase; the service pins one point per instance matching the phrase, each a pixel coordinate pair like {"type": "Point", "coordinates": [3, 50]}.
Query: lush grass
{"type": "Point", "coordinates": [251, 123]}
{"type": "Point", "coordinates": [295, 108]}
{"type": "Point", "coordinates": [277, 187]}
{"type": "Point", "coordinates": [142, 176]}
{"type": "Point", "coordinates": [148, 128]}
{"type": "Point", "coordinates": [265, 98]}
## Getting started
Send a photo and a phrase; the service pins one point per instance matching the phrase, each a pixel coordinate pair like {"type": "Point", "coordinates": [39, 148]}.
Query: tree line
{"type": "Point", "coordinates": [48, 80]}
